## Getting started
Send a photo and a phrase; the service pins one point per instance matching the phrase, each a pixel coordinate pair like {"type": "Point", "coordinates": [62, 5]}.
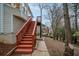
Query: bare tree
{"type": "Point", "coordinates": [75, 11]}
{"type": "Point", "coordinates": [54, 14]}
{"type": "Point", "coordinates": [68, 35]}
{"type": "Point", "coordinates": [74, 8]}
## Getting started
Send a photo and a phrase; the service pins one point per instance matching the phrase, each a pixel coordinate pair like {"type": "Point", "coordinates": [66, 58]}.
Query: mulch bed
{"type": "Point", "coordinates": [5, 48]}
{"type": "Point", "coordinates": [55, 48]}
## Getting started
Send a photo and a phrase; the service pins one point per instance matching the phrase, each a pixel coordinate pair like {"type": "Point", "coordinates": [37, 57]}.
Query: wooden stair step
{"type": "Point", "coordinates": [24, 46]}
{"type": "Point", "coordinates": [26, 42]}
{"type": "Point", "coordinates": [26, 36]}
{"type": "Point", "coordinates": [27, 39]}
{"type": "Point", "coordinates": [20, 50]}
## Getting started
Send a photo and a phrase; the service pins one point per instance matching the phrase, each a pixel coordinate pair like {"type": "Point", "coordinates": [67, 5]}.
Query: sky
{"type": "Point", "coordinates": [36, 12]}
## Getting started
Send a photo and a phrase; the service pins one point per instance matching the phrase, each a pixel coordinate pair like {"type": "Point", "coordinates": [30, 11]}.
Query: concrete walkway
{"type": "Point", "coordinates": [41, 49]}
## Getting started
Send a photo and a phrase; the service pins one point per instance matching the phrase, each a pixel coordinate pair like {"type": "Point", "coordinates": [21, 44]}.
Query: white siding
{"type": "Point", "coordinates": [1, 18]}
{"type": "Point", "coordinates": [10, 23]}
{"type": "Point", "coordinates": [17, 24]}
{"type": "Point", "coordinates": [8, 11]}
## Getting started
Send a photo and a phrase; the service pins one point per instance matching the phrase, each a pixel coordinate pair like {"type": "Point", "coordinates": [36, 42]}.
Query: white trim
{"type": "Point", "coordinates": [9, 5]}
{"type": "Point", "coordinates": [21, 10]}
{"type": "Point", "coordinates": [11, 23]}
{"type": "Point", "coordinates": [12, 5]}
{"type": "Point", "coordinates": [2, 14]}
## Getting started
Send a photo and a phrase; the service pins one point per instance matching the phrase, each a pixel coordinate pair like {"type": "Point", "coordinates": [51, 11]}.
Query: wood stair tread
{"type": "Point", "coordinates": [24, 46]}
{"type": "Point", "coordinates": [27, 36]}
{"type": "Point", "coordinates": [20, 50]}
{"type": "Point", "coordinates": [27, 39]}
{"type": "Point", "coordinates": [26, 42]}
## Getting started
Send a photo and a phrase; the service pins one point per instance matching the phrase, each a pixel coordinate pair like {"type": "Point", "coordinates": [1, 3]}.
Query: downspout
{"type": "Point", "coordinates": [11, 22]}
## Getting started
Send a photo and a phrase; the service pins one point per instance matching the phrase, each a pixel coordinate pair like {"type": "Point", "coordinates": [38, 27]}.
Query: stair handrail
{"type": "Point", "coordinates": [35, 25]}
{"type": "Point", "coordinates": [34, 28]}
{"type": "Point", "coordinates": [34, 34]}
{"type": "Point", "coordinates": [23, 26]}
{"type": "Point", "coordinates": [22, 30]}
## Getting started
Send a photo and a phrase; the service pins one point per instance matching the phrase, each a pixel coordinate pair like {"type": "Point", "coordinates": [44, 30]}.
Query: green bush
{"type": "Point", "coordinates": [76, 34]}
{"type": "Point", "coordinates": [59, 33]}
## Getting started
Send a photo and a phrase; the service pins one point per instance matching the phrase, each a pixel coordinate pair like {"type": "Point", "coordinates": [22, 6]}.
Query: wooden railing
{"type": "Point", "coordinates": [23, 30]}
{"type": "Point", "coordinates": [34, 30]}
{"type": "Point", "coordinates": [34, 34]}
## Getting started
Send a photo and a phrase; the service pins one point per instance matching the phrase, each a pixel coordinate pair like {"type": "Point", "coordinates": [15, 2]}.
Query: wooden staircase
{"type": "Point", "coordinates": [26, 37]}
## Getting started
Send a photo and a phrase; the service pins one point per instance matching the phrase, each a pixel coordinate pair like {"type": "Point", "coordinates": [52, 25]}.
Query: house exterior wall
{"type": "Point", "coordinates": [0, 18]}
{"type": "Point", "coordinates": [8, 38]}
{"type": "Point", "coordinates": [10, 23]}
{"type": "Point", "coordinates": [8, 14]}
{"type": "Point", "coordinates": [17, 24]}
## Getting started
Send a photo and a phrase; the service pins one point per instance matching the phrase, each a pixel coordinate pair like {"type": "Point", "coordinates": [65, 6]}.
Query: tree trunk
{"type": "Point", "coordinates": [76, 27]}
{"type": "Point", "coordinates": [68, 34]}
{"type": "Point", "coordinates": [75, 10]}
